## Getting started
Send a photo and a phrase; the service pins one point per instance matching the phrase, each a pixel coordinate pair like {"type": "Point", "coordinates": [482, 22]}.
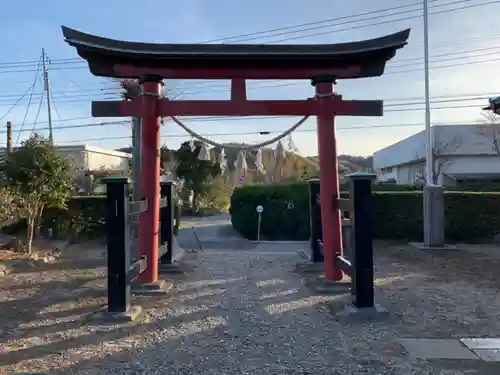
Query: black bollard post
{"type": "Point", "coordinates": [118, 251]}
{"type": "Point", "coordinates": [316, 232]}
{"type": "Point", "coordinates": [167, 221]}
{"type": "Point", "coordinates": [362, 222]}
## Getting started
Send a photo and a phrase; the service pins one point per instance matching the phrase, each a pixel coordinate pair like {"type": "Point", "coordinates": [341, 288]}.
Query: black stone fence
{"type": "Point", "coordinates": [123, 270]}
{"type": "Point", "coordinates": [357, 263]}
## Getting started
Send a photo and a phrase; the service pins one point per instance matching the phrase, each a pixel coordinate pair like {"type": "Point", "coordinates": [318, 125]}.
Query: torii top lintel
{"type": "Point", "coordinates": [121, 59]}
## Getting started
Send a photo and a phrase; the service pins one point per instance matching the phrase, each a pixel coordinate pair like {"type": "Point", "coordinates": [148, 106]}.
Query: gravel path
{"type": "Point", "coordinates": [248, 312]}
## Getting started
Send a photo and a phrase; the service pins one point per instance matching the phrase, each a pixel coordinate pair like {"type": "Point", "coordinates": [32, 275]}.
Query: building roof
{"type": "Point", "coordinates": [97, 150]}
{"type": "Point", "coordinates": [471, 139]}
{"type": "Point", "coordinates": [83, 147]}
{"type": "Point", "coordinates": [367, 57]}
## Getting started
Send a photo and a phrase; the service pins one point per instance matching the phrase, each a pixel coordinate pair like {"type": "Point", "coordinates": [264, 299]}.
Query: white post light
{"type": "Point", "coordinates": [259, 210]}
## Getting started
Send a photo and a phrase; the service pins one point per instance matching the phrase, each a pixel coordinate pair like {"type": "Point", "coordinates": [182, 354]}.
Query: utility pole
{"type": "Point", "coordinates": [9, 137]}
{"type": "Point", "coordinates": [429, 175]}
{"type": "Point", "coordinates": [433, 202]}
{"type": "Point", "coordinates": [46, 85]}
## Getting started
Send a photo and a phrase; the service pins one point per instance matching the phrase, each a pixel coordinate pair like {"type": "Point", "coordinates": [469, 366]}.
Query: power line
{"type": "Point", "coordinates": [75, 60]}
{"type": "Point", "coordinates": [255, 35]}
{"type": "Point", "coordinates": [373, 17]}
{"type": "Point", "coordinates": [458, 97]}
{"type": "Point", "coordinates": [30, 89]}
{"type": "Point", "coordinates": [385, 22]}
{"type": "Point", "coordinates": [85, 97]}
{"type": "Point", "coordinates": [59, 117]}
{"type": "Point", "coordinates": [260, 85]}
{"type": "Point", "coordinates": [276, 131]}
{"type": "Point", "coordinates": [261, 34]}
{"type": "Point", "coordinates": [30, 98]}
{"type": "Point", "coordinates": [113, 123]}
{"type": "Point", "coordinates": [37, 114]}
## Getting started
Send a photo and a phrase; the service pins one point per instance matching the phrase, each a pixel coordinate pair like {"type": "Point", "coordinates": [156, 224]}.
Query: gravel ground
{"type": "Point", "coordinates": [239, 313]}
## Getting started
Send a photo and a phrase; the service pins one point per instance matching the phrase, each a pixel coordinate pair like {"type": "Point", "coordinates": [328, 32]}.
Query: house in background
{"type": "Point", "coordinates": [461, 153]}
{"type": "Point", "coordinates": [94, 163]}
{"type": "Point", "coordinates": [90, 158]}
{"type": "Point", "coordinates": [89, 162]}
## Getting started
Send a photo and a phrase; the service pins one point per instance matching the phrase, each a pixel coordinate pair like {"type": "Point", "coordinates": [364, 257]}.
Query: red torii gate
{"type": "Point", "coordinates": [322, 64]}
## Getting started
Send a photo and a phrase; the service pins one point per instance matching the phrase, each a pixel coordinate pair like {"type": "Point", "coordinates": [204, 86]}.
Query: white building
{"type": "Point", "coordinates": [84, 157]}
{"type": "Point", "coordinates": [461, 152]}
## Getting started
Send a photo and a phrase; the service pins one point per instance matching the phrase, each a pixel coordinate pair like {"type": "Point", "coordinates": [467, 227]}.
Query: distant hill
{"type": "Point", "coordinates": [350, 163]}
{"type": "Point", "coordinates": [295, 168]}
{"type": "Point", "coordinates": [347, 163]}
{"type": "Point", "coordinates": [361, 163]}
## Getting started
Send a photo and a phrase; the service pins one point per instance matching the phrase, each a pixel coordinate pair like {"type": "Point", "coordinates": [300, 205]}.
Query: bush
{"type": "Point", "coordinates": [469, 216]}
{"type": "Point", "coordinates": [215, 195]}
{"type": "Point", "coordinates": [285, 215]}
{"type": "Point", "coordinates": [84, 218]}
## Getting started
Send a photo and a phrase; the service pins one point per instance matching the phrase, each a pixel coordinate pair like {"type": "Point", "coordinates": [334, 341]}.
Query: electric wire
{"type": "Point", "coordinates": [37, 76]}
{"type": "Point", "coordinates": [30, 89]}
{"type": "Point", "coordinates": [256, 34]}
{"type": "Point", "coordinates": [221, 87]}
{"type": "Point", "coordinates": [356, 27]}
{"type": "Point", "coordinates": [114, 123]}
{"type": "Point", "coordinates": [280, 29]}
{"type": "Point", "coordinates": [75, 98]}
{"type": "Point", "coordinates": [255, 118]}
{"type": "Point", "coordinates": [65, 61]}
{"type": "Point", "coordinates": [37, 114]}
{"type": "Point", "coordinates": [276, 131]}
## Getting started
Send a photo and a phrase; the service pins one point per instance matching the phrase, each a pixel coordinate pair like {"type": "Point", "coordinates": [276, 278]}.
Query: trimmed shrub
{"type": "Point", "coordinates": [84, 218]}
{"type": "Point", "coordinates": [285, 216]}
{"type": "Point", "coordinates": [469, 216]}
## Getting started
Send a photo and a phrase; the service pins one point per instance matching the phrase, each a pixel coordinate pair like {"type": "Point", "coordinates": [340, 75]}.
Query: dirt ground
{"type": "Point", "coordinates": [46, 309]}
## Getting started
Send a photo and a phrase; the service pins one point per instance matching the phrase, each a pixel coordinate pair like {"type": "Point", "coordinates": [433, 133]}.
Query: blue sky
{"type": "Point", "coordinates": [459, 38]}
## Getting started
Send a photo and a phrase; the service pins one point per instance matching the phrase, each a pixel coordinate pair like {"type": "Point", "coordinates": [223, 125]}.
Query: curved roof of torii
{"type": "Point", "coordinates": [369, 55]}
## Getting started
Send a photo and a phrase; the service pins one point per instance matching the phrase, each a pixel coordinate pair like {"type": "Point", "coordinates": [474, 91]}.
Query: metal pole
{"type": "Point", "coordinates": [136, 158]}
{"type": "Point", "coordinates": [428, 133]}
{"type": "Point", "coordinates": [9, 137]}
{"type": "Point", "coordinates": [258, 227]}
{"type": "Point", "coordinates": [47, 89]}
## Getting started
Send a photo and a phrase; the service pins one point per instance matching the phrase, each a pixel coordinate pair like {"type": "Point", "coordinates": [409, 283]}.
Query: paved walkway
{"type": "Point", "coordinates": [247, 311]}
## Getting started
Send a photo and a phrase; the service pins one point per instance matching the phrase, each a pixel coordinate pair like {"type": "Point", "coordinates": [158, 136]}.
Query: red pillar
{"type": "Point", "coordinates": [150, 180]}
{"type": "Point", "coordinates": [329, 181]}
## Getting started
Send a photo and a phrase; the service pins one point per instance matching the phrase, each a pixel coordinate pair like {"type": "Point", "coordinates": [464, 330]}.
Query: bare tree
{"type": "Point", "coordinates": [442, 153]}
{"type": "Point", "coordinates": [490, 129]}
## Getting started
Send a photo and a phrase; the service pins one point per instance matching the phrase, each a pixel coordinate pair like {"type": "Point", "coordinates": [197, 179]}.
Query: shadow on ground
{"type": "Point", "coordinates": [245, 313]}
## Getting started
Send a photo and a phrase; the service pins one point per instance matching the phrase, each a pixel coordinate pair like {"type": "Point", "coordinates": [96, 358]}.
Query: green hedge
{"type": "Point", "coordinates": [470, 216]}
{"type": "Point", "coordinates": [276, 223]}
{"type": "Point", "coordinates": [84, 218]}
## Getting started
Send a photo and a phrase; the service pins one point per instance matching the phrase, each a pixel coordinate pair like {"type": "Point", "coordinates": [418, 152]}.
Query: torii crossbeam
{"type": "Point", "coordinates": [322, 64]}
